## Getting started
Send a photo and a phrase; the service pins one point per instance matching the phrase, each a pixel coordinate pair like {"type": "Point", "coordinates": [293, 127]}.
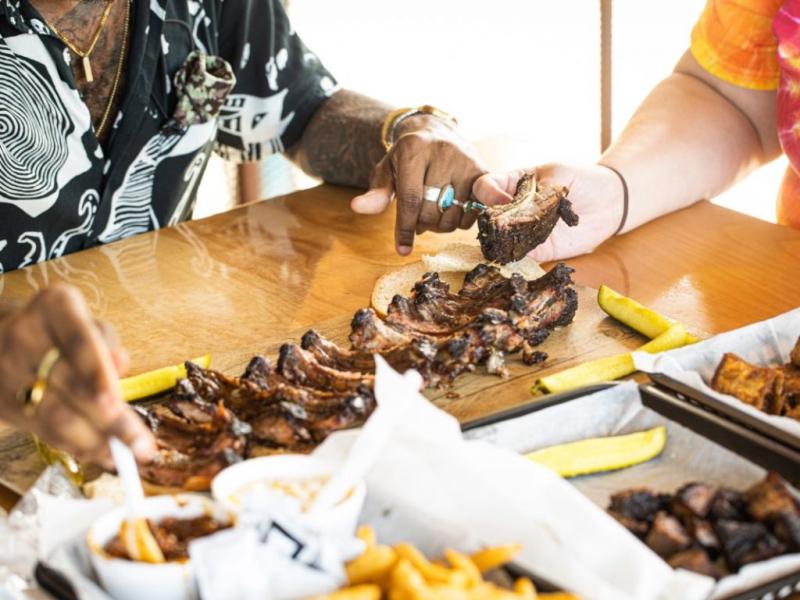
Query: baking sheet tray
{"type": "Point", "coordinates": [688, 456]}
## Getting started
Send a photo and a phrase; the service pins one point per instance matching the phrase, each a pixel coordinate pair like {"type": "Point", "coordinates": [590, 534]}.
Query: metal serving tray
{"type": "Point", "coordinates": [754, 439]}
{"type": "Point", "coordinates": [680, 406]}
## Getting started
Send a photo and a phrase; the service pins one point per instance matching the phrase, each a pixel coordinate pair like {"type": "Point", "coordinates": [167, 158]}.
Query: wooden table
{"type": "Point", "coordinates": [270, 270]}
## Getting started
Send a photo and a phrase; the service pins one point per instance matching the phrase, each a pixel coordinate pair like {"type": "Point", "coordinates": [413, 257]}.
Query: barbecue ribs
{"type": "Point", "coordinates": [211, 420]}
{"type": "Point", "coordinates": [507, 232]}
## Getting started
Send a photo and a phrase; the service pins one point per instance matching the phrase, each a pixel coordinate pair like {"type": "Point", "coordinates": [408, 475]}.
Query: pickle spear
{"type": "Point", "coordinates": [609, 368]}
{"type": "Point", "coordinates": [597, 455]}
{"type": "Point", "coordinates": [157, 381]}
{"type": "Point", "coordinates": [636, 316]}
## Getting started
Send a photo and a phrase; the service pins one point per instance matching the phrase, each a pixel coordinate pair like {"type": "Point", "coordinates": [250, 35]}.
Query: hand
{"type": "Point", "coordinates": [427, 152]}
{"type": "Point", "coordinates": [596, 194]}
{"type": "Point", "coordinates": [82, 404]}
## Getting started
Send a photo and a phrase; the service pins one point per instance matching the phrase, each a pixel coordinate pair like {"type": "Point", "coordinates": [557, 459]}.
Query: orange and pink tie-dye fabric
{"type": "Point", "coordinates": [734, 41]}
{"type": "Point", "coordinates": [756, 44]}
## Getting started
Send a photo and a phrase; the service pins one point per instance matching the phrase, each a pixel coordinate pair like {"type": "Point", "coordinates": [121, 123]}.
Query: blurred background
{"type": "Point", "coordinates": [523, 77]}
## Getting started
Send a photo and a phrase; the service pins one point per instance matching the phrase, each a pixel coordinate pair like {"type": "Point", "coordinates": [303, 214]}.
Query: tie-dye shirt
{"type": "Point", "coordinates": [756, 44]}
{"type": "Point", "coordinates": [203, 75]}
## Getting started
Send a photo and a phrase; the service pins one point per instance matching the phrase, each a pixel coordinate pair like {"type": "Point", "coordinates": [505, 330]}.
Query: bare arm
{"type": "Point", "coordinates": [342, 143]}
{"type": "Point", "coordinates": [692, 137]}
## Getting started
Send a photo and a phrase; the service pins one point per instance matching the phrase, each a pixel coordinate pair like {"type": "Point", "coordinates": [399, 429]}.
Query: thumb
{"type": "Point", "coordinates": [491, 189]}
{"type": "Point", "coordinates": [372, 202]}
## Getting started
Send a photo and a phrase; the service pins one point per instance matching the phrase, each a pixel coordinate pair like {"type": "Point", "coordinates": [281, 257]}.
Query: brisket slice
{"type": "Point", "coordinates": [507, 232]}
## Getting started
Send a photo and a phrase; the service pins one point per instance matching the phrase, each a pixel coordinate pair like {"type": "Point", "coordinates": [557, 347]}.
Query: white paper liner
{"type": "Point", "coordinates": [473, 490]}
{"type": "Point", "coordinates": [765, 343]}
{"type": "Point", "coordinates": [431, 487]}
{"type": "Point", "coordinates": [686, 457]}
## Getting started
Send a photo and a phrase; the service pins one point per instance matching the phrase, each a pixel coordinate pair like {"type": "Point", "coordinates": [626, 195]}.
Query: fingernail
{"type": "Point", "coordinates": [404, 250]}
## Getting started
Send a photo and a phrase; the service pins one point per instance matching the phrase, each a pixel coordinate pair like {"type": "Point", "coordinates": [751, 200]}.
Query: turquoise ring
{"type": "Point", "coordinates": [445, 198]}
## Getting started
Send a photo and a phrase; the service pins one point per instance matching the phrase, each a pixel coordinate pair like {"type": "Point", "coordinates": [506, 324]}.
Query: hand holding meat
{"type": "Point", "coordinates": [595, 197]}
{"type": "Point", "coordinates": [427, 152]}
{"type": "Point", "coordinates": [79, 404]}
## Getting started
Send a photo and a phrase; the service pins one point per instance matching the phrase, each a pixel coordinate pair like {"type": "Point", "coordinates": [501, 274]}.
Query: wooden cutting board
{"type": "Point", "coordinates": [474, 395]}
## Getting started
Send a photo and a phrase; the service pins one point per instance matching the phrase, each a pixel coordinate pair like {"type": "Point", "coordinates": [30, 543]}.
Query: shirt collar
{"type": "Point", "coordinates": [12, 11]}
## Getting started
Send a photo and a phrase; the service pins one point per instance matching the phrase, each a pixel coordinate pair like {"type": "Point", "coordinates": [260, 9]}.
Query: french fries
{"type": "Point", "coordinates": [497, 556]}
{"type": "Point", "coordinates": [356, 592]}
{"type": "Point", "coordinates": [609, 368]}
{"type": "Point", "coordinates": [403, 572]}
{"type": "Point", "coordinates": [157, 381]}
{"type": "Point", "coordinates": [640, 318]}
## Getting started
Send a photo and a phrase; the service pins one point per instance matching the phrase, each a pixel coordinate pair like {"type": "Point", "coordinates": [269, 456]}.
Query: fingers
{"type": "Point", "coordinates": [409, 181]}
{"type": "Point", "coordinates": [106, 418]}
{"type": "Point", "coordinates": [492, 188]}
{"type": "Point", "coordinates": [119, 355]}
{"type": "Point", "coordinates": [61, 427]}
{"type": "Point", "coordinates": [379, 196]}
{"type": "Point", "coordinates": [87, 374]}
{"type": "Point", "coordinates": [82, 405]}
{"type": "Point", "coordinates": [462, 219]}
{"type": "Point", "coordinates": [82, 346]}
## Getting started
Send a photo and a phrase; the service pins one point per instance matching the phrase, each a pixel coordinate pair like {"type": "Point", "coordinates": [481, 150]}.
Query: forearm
{"type": "Point", "coordinates": [688, 141]}
{"type": "Point", "coordinates": [342, 142]}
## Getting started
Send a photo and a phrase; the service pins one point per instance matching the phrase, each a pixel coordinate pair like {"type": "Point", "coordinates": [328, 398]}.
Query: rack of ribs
{"type": "Point", "coordinates": [507, 232]}
{"type": "Point", "coordinates": [211, 419]}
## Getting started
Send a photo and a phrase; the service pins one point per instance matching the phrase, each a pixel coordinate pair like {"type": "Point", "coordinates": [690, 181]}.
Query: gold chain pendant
{"type": "Point", "coordinates": [87, 69]}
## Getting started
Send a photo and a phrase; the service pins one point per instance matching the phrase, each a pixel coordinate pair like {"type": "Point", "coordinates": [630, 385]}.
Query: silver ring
{"type": "Point", "coordinates": [444, 197]}
{"type": "Point", "coordinates": [431, 194]}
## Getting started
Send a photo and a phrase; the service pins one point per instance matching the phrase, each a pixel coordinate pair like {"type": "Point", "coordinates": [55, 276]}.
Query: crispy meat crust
{"type": "Point", "coordinates": [773, 389]}
{"type": "Point", "coordinates": [713, 531]}
{"type": "Point", "coordinates": [760, 387]}
{"type": "Point", "coordinates": [507, 232]}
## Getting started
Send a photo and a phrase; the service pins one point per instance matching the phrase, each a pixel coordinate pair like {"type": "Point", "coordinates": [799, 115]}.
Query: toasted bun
{"type": "Point", "coordinates": [452, 263]}
{"type": "Point", "coordinates": [464, 257]}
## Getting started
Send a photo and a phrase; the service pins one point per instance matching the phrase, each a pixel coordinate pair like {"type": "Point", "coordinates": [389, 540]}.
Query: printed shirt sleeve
{"type": "Point", "coordinates": [280, 83]}
{"type": "Point", "coordinates": [733, 40]}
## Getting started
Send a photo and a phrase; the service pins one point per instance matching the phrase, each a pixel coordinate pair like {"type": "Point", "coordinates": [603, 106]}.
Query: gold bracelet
{"type": "Point", "coordinates": [394, 118]}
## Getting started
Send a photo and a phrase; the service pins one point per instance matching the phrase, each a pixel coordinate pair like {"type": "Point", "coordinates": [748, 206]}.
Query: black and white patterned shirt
{"type": "Point", "coordinates": [60, 191]}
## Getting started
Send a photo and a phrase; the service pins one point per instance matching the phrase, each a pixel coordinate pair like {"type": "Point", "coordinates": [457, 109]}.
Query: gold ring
{"type": "Point", "coordinates": [32, 397]}
{"type": "Point", "coordinates": [46, 365]}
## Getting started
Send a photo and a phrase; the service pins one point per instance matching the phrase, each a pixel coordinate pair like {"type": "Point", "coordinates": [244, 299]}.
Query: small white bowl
{"type": "Point", "coordinates": [229, 488]}
{"type": "Point", "coordinates": [131, 580]}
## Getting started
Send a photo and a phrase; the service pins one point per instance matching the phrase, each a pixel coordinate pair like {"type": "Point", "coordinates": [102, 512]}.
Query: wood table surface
{"type": "Point", "coordinates": [274, 268]}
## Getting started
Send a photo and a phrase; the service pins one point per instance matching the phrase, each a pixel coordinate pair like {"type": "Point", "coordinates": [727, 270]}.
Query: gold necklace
{"type": "Point", "coordinates": [85, 55]}
{"type": "Point", "coordinates": [117, 78]}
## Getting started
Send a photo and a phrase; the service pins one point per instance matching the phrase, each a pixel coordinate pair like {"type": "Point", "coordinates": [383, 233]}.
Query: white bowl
{"type": "Point", "coordinates": [228, 488]}
{"type": "Point", "coordinates": [131, 580]}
